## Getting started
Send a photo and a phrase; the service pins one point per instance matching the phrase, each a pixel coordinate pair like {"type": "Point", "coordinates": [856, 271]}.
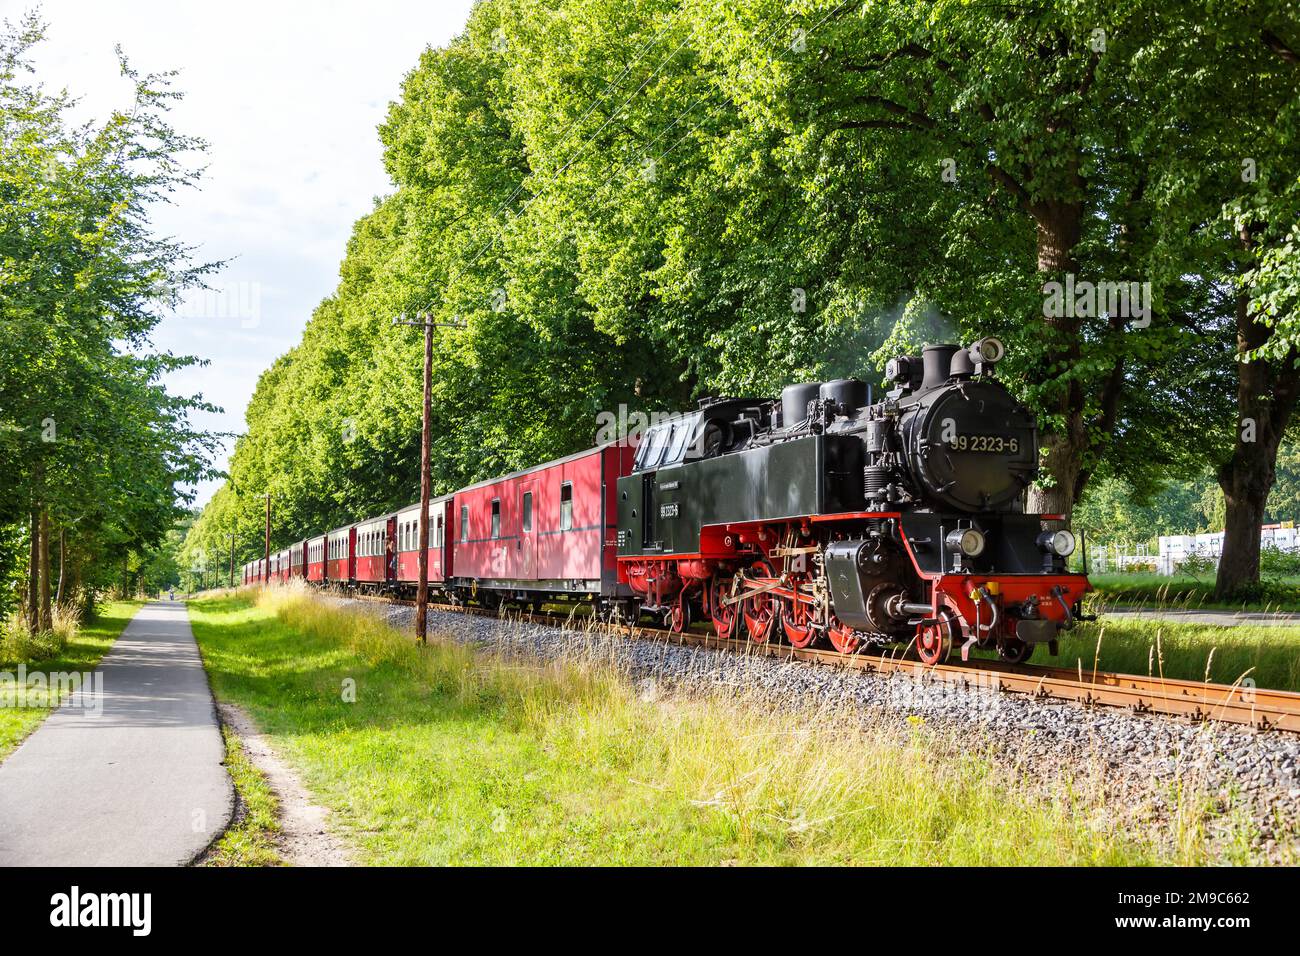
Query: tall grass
{"type": "Point", "coordinates": [1269, 656]}
{"type": "Point", "coordinates": [449, 754]}
{"type": "Point", "coordinates": [19, 644]}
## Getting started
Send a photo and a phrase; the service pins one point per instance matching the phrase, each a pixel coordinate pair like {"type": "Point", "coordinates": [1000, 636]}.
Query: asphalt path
{"type": "Point", "coordinates": [129, 771]}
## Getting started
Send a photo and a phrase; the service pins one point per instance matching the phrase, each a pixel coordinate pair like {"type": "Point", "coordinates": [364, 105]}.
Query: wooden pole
{"type": "Point", "coordinates": [266, 564]}
{"type": "Point", "coordinates": [426, 436]}
{"type": "Point", "coordinates": [232, 562]}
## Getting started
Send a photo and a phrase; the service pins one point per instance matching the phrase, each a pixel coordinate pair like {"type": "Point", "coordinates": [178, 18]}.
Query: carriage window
{"type": "Point", "coordinates": [526, 520]}
{"type": "Point", "coordinates": [566, 506]}
{"type": "Point", "coordinates": [496, 517]}
{"type": "Point", "coordinates": [438, 542]}
{"type": "Point", "coordinates": [464, 523]}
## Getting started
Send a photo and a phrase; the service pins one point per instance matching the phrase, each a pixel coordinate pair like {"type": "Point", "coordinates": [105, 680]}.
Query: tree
{"type": "Point", "coordinates": [90, 442]}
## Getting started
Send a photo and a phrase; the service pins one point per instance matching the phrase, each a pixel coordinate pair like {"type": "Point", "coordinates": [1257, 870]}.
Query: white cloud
{"type": "Point", "coordinates": [288, 94]}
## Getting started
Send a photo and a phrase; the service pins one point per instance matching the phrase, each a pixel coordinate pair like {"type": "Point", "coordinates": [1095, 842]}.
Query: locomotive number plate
{"type": "Point", "coordinates": [993, 444]}
{"type": "Point", "coordinates": [668, 510]}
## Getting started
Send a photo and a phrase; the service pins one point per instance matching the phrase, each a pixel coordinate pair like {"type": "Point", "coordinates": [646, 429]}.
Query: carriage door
{"type": "Point", "coordinates": [390, 550]}
{"type": "Point", "coordinates": [528, 528]}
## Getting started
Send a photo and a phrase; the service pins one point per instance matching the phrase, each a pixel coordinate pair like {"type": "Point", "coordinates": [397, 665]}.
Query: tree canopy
{"type": "Point", "coordinates": [640, 202]}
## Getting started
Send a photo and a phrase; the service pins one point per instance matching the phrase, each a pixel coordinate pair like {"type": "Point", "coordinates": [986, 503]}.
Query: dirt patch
{"type": "Point", "coordinates": [304, 839]}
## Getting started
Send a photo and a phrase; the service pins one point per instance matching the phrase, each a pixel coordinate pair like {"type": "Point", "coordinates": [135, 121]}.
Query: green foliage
{"type": "Point", "coordinates": [644, 201]}
{"type": "Point", "coordinates": [88, 434]}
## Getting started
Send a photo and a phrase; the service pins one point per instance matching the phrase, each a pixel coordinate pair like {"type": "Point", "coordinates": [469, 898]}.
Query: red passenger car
{"type": "Point", "coordinates": [340, 555]}
{"type": "Point", "coordinates": [314, 549]}
{"type": "Point", "coordinates": [407, 543]}
{"type": "Point", "coordinates": [374, 552]}
{"type": "Point", "coordinates": [551, 529]}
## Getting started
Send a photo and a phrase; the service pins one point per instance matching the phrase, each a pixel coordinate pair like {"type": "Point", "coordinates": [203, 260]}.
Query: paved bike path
{"type": "Point", "coordinates": [128, 772]}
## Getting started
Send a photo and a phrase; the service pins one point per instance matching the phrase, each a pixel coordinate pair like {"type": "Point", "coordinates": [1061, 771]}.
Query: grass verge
{"type": "Point", "coordinates": [447, 755]}
{"type": "Point", "coordinates": [1270, 656]}
{"type": "Point", "coordinates": [1185, 591]}
{"type": "Point", "coordinates": [250, 840]}
{"type": "Point", "coordinates": [81, 653]}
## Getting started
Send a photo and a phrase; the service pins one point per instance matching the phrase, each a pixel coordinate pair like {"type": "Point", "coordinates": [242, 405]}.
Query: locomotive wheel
{"type": "Point", "coordinates": [679, 617]}
{"type": "Point", "coordinates": [934, 641]}
{"type": "Point", "coordinates": [796, 622]}
{"type": "Point", "coordinates": [724, 615]}
{"type": "Point", "coordinates": [760, 610]}
{"type": "Point", "coordinates": [842, 637]}
{"type": "Point", "coordinates": [1015, 651]}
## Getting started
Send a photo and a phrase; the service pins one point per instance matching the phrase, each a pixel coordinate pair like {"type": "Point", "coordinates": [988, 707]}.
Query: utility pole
{"type": "Point", "coordinates": [232, 563]}
{"type": "Point", "coordinates": [426, 440]}
{"type": "Point", "coordinates": [266, 563]}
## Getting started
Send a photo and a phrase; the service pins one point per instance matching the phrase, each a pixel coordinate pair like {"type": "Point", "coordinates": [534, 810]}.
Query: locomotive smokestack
{"type": "Point", "coordinates": [937, 362]}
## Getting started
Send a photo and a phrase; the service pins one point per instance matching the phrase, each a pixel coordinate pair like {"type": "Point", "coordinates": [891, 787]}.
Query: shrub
{"type": "Point", "coordinates": [1276, 563]}
{"type": "Point", "coordinates": [18, 643]}
{"type": "Point", "coordinates": [1198, 566]}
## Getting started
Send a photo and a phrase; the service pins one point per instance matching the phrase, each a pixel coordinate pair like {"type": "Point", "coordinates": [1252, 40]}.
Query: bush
{"type": "Point", "coordinates": [1276, 563]}
{"type": "Point", "coordinates": [1198, 566]}
{"type": "Point", "coordinates": [18, 643]}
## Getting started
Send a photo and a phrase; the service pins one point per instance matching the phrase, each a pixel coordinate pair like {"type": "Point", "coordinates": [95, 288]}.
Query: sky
{"type": "Point", "coordinates": [288, 95]}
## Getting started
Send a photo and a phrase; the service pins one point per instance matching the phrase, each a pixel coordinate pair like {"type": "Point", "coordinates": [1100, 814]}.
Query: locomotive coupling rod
{"type": "Point", "coordinates": [761, 589]}
{"type": "Point", "coordinates": [783, 552]}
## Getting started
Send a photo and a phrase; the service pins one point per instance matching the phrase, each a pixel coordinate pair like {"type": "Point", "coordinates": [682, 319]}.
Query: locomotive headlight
{"type": "Point", "coordinates": [1060, 543]}
{"type": "Point", "coordinates": [988, 350]}
{"type": "Point", "coordinates": [969, 541]}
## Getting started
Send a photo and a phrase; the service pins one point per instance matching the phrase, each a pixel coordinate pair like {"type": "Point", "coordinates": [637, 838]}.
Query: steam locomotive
{"type": "Point", "coordinates": [824, 515]}
{"type": "Point", "coordinates": [821, 515]}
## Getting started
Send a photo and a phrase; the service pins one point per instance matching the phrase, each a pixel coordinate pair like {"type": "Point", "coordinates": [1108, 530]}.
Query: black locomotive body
{"type": "Point", "coordinates": [825, 515]}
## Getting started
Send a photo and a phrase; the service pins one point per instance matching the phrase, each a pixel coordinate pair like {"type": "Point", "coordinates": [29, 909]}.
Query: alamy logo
{"type": "Point", "coordinates": [39, 689]}
{"type": "Point", "coordinates": [1071, 299]}
{"type": "Point", "coordinates": [103, 909]}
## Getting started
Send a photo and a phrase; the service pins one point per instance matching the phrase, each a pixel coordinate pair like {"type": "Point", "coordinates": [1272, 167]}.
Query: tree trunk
{"type": "Point", "coordinates": [47, 618]}
{"type": "Point", "coordinates": [1246, 482]}
{"type": "Point", "coordinates": [1060, 226]}
{"type": "Point", "coordinates": [33, 607]}
{"type": "Point", "coordinates": [63, 562]}
{"type": "Point", "coordinates": [1266, 399]}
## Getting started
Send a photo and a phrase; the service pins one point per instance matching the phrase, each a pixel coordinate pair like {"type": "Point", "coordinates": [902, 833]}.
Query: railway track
{"type": "Point", "coordinates": [1196, 700]}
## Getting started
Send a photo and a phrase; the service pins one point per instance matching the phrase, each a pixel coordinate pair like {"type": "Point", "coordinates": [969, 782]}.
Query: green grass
{"type": "Point", "coordinates": [251, 839]}
{"type": "Point", "coordinates": [1270, 656]}
{"type": "Point", "coordinates": [1185, 591]}
{"type": "Point", "coordinates": [450, 756]}
{"type": "Point", "coordinates": [82, 653]}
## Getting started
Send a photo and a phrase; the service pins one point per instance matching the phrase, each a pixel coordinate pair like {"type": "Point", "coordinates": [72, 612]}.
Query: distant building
{"type": "Point", "coordinates": [1177, 548]}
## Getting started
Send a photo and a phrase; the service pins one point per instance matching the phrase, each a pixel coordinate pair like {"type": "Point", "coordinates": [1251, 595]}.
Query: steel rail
{"type": "Point", "coordinates": [1200, 701]}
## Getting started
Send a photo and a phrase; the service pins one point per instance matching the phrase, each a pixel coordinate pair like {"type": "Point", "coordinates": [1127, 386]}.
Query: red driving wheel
{"type": "Point", "coordinates": [797, 620]}
{"type": "Point", "coordinates": [760, 610]}
{"type": "Point", "coordinates": [723, 614]}
{"type": "Point", "coordinates": [843, 638]}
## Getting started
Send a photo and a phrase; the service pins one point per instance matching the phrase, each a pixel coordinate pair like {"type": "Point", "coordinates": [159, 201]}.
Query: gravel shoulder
{"type": "Point", "coordinates": [1144, 764]}
{"type": "Point", "coordinates": [304, 838]}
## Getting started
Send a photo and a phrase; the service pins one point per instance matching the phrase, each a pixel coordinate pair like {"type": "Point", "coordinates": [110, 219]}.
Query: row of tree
{"type": "Point", "coordinates": [92, 447]}
{"type": "Point", "coordinates": [637, 202]}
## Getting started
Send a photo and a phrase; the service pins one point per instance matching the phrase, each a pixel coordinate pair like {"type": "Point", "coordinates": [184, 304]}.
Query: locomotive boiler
{"type": "Point", "coordinates": [825, 516]}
